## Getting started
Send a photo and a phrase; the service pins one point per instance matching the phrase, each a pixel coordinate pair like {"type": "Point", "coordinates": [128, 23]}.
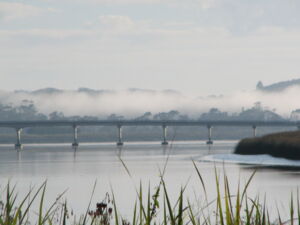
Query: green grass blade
{"type": "Point", "coordinates": [219, 203]}
{"type": "Point", "coordinates": [247, 184]}
{"type": "Point", "coordinates": [31, 202]}
{"type": "Point", "coordinates": [172, 218]}
{"type": "Point", "coordinates": [64, 222]}
{"type": "Point", "coordinates": [292, 210]}
{"type": "Point", "coordinates": [180, 209]}
{"type": "Point", "coordinates": [237, 207]}
{"type": "Point", "coordinates": [191, 214]}
{"type": "Point", "coordinates": [228, 205]}
{"type": "Point", "coordinates": [200, 177]}
{"type": "Point", "coordinates": [134, 215]}
{"type": "Point", "coordinates": [18, 212]}
{"type": "Point", "coordinates": [41, 205]}
{"type": "Point", "coordinates": [115, 209]}
{"type": "Point", "coordinates": [49, 211]}
{"type": "Point", "coordinates": [148, 216]}
{"type": "Point", "coordinates": [298, 207]}
{"type": "Point", "coordinates": [264, 217]}
{"type": "Point", "coordinates": [89, 205]}
{"type": "Point", "coordinates": [165, 222]}
{"type": "Point", "coordinates": [142, 210]}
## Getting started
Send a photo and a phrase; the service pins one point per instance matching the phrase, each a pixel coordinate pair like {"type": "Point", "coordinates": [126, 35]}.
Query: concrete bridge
{"type": "Point", "coordinates": [19, 125]}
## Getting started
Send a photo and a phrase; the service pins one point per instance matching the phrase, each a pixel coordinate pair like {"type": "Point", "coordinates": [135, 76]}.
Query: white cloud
{"type": "Point", "coordinates": [123, 1]}
{"type": "Point", "coordinates": [13, 11]}
{"type": "Point", "coordinates": [207, 4]}
{"type": "Point", "coordinates": [195, 4]}
{"type": "Point", "coordinates": [243, 17]}
{"type": "Point", "coordinates": [116, 22]}
{"type": "Point", "coordinates": [149, 54]}
{"type": "Point", "coordinates": [109, 26]}
{"type": "Point", "coordinates": [47, 33]}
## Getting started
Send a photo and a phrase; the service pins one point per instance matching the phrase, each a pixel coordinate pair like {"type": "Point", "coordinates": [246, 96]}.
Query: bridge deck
{"type": "Point", "coordinates": [51, 123]}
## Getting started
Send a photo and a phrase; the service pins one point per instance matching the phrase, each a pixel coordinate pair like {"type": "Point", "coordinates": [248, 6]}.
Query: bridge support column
{"type": "Point", "coordinates": [75, 133]}
{"type": "Point", "coordinates": [164, 142]}
{"type": "Point", "coordinates": [209, 128]}
{"type": "Point", "coordinates": [18, 145]}
{"type": "Point", "coordinates": [120, 142]}
{"type": "Point", "coordinates": [254, 130]}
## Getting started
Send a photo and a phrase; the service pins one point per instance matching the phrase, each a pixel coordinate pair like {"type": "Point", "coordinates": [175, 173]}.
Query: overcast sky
{"type": "Point", "coordinates": [194, 46]}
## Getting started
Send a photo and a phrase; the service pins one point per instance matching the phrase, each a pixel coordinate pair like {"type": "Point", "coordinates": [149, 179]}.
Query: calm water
{"type": "Point", "coordinates": [77, 171]}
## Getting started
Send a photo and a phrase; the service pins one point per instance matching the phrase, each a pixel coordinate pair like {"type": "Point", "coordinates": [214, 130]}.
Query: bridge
{"type": "Point", "coordinates": [20, 125]}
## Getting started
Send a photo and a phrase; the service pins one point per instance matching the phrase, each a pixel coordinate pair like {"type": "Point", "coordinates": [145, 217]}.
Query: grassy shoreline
{"type": "Point", "coordinates": [284, 145]}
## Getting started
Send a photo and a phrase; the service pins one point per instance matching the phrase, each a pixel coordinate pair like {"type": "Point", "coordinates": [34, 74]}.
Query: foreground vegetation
{"type": "Point", "coordinates": [285, 145]}
{"type": "Point", "coordinates": [150, 208]}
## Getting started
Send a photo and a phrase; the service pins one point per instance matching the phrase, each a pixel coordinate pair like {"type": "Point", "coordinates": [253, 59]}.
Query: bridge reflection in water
{"type": "Point", "coordinates": [19, 125]}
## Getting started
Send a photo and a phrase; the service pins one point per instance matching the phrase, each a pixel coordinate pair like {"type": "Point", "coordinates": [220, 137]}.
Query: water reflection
{"type": "Point", "coordinates": [75, 148]}
{"type": "Point", "coordinates": [119, 150]}
{"type": "Point", "coordinates": [78, 168]}
{"type": "Point", "coordinates": [165, 149]}
{"type": "Point", "coordinates": [19, 154]}
{"type": "Point", "coordinates": [209, 147]}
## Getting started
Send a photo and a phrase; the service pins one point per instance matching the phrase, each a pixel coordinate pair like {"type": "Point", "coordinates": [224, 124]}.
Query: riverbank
{"type": "Point", "coordinates": [284, 145]}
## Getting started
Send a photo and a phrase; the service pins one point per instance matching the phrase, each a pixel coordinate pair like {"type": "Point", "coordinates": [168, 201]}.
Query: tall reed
{"type": "Point", "coordinates": [157, 208]}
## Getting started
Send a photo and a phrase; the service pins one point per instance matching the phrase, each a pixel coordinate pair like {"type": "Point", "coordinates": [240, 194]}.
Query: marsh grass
{"type": "Point", "coordinates": [151, 207]}
{"type": "Point", "coordinates": [283, 144]}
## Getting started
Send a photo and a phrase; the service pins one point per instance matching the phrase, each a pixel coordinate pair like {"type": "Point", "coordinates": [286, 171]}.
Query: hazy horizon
{"type": "Point", "coordinates": [198, 47]}
{"type": "Point", "coordinates": [135, 102]}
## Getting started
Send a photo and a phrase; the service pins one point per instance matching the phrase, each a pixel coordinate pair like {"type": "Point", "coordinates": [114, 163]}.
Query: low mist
{"type": "Point", "coordinates": [135, 102]}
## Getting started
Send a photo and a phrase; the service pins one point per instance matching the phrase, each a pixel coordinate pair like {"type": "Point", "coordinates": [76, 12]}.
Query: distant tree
{"type": "Point", "coordinates": [56, 116]}
{"type": "Point", "coordinates": [214, 114]}
{"type": "Point", "coordinates": [295, 115]}
{"type": "Point", "coordinates": [257, 106]}
{"type": "Point", "coordinates": [25, 111]}
{"type": "Point", "coordinates": [258, 113]}
{"type": "Point", "coordinates": [41, 116]}
{"type": "Point", "coordinates": [74, 118]}
{"type": "Point", "coordinates": [145, 116]}
{"type": "Point", "coordinates": [115, 117]}
{"type": "Point", "coordinates": [184, 117]}
{"type": "Point", "coordinates": [171, 115]}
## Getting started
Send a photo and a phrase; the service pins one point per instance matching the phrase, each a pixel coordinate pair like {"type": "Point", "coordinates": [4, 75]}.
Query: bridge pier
{"type": "Point", "coordinates": [120, 142]}
{"type": "Point", "coordinates": [209, 142]}
{"type": "Point", "coordinates": [254, 130]}
{"type": "Point", "coordinates": [164, 142]}
{"type": "Point", "coordinates": [18, 145]}
{"type": "Point", "coordinates": [75, 136]}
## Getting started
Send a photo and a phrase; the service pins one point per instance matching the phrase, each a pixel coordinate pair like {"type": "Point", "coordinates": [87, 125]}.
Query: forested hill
{"type": "Point", "coordinates": [277, 87]}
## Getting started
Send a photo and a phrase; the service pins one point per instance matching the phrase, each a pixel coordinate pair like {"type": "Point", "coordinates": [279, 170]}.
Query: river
{"type": "Point", "coordinates": [78, 170]}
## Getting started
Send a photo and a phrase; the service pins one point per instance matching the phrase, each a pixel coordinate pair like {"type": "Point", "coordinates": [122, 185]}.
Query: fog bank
{"type": "Point", "coordinates": [134, 102]}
